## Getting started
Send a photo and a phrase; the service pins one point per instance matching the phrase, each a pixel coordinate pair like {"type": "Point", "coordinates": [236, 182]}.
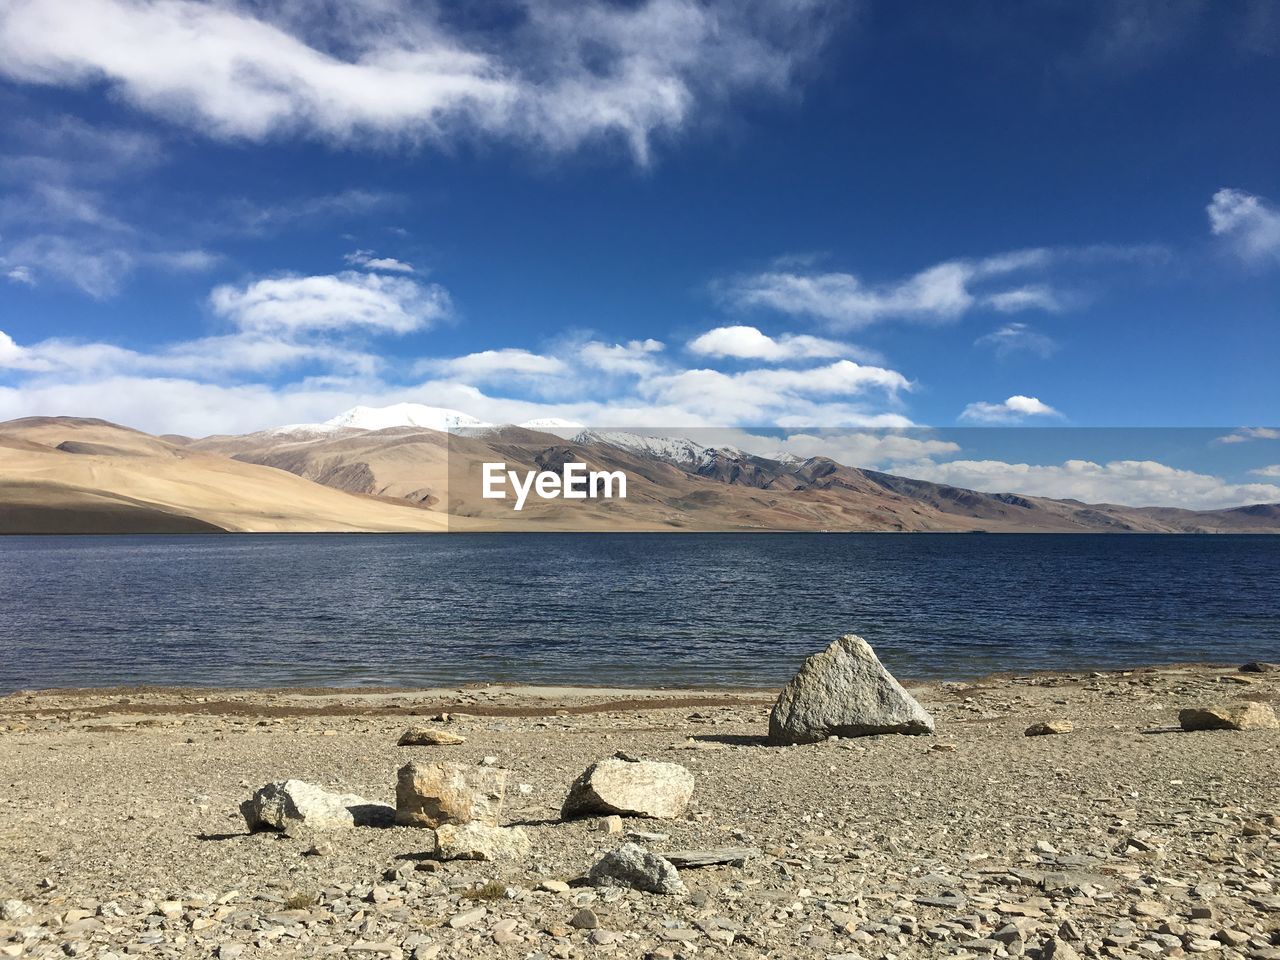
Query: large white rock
{"type": "Point", "coordinates": [636, 868]}
{"type": "Point", "coordinates": [1242, 715]}
{"type": "Point", "coordinates": [296, 803]}
{"type": "Point", "coordinates": [631, 788]}
{"type": "Point", "coordinates": [844, 691]}
{"type": "Point", "coordinates": [431, 794]}
{"type": "Point", "coordinates": [478, 841]}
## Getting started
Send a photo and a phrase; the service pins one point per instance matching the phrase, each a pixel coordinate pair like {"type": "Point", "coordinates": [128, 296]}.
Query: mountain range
{"type": "Point", "coordinates": [414, 468]}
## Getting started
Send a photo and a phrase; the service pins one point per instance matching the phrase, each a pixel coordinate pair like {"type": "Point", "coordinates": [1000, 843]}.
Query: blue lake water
{"type": "Point", "coordinates": [627, 609]}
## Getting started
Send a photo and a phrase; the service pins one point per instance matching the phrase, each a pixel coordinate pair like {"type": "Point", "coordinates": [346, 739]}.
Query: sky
{"type": "Point", "coordinates": [222, 217]}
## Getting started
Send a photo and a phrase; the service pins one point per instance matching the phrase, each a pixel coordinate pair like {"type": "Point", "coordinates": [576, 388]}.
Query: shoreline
{"type": "Point", "coordinates": [375, 697]}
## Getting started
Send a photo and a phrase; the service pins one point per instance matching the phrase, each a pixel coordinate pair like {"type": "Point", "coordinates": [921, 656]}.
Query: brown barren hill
{"type": "Point", "coordinates": [71, 475]}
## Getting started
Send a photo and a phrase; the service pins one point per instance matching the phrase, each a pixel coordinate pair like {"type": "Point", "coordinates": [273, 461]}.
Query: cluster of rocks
{"type": "Point", "coordinates": [461, 807]}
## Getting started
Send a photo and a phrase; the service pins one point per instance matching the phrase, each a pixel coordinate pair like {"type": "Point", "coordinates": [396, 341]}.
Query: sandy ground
{"type": "Point", "coordinates": [119, 827]}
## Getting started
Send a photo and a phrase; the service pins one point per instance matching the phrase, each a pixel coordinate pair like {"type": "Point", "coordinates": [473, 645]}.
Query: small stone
{"type": "Point", "coordinates": [1260, 666]}
{"type": "Point", "coordinates": [429, 737]}
{"type": "Point", "coordinates": [1056, 948]}
{"type": "Point", "coordinates": [1048, 728]}
{"type": "Point", "coordinates": [169, 909]}
{"type": "Point", "coordinates": [1149, 908]}
{"type": "Point", "coordinates": [466, 919]}
{"type": "Point", "coordinates": [584, 919]}
{"type": "Point", "coordinates": [554, 886]}
{"type": "Point", "coordinates": [612, 824]}
{"type": "Point", "coordinates": [14, 911]}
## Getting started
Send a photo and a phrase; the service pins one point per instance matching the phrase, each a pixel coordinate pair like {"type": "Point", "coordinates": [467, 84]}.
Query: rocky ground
{"type": "Point", "coordinates": [120, 833]}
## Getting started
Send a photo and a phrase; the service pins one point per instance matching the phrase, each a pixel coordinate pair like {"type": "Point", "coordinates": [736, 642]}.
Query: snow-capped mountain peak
{"type": "Point", "coordinates": [395, 415]}
{"type": "Point", "coordinates": [678, 450]}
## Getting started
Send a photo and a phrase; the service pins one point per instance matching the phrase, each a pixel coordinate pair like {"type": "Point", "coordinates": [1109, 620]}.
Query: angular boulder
{"type": "Point", "coordinates": [1245, 715]}
{"type": "Point", "coordinates": [478, 841]}
{"type": "Point", "coordinates": [844, 691]}
{"type": "Point", "coordinates": [429, 737]}
{"type": "Point", "coordinates": [635, 868]}
{"type": "Point", "coordinates": [288, 804]}
{"type": "Point", "coordinates": [432, 794]}
{"type": "Point", "coordinates": [630, 788]}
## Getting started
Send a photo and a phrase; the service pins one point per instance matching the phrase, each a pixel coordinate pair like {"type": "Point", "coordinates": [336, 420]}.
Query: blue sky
{"type": "Point", "coordinates": [223, 217]}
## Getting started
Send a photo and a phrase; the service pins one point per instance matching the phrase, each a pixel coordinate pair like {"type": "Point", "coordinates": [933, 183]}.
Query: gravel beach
{"type": "Point", "coordinates": [121, 834]}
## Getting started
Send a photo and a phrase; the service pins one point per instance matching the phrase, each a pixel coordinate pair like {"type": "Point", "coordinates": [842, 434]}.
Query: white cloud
{"type": "Point", "coordinates": [1134, 483]}
{"type": "Point", "coordinates": [332, 302]}
{"type": "Point", "coordinates": [21, 274]}
{"type": "Point", "coordinates": [634, 358]}
{"type": "Point", "coordinates": [185, 261]}
{"type": "Point", "coordinates": [58, 220]}
{"type": "Point", "coordinates": [558, 76]}
{"type": "Point", "coordinates": [1246, 434]}
{"type": "Point", "coordinates": [1247, 222]}
{"type": "Point", "coordinates": [1272, 470]}
{"type": "Point", "coordinates": [488, 364]}
{"type": "Point", "coordinates": [206, 357]}
{"type": "Point", "coordinates": [749, 343]}
{"type": "Point", "coordinates": [942, 293]}
{"type": "Point", "coordinates": [1031, 297]}
{"type": "Point", "coordinates": [95, 265]}
{"type": "Point", "coordinates": [366, 259]}
{"type": "Point", "coordinates": [246, 216]}
{"type": "Point", "coordinates": [870, 450]}
{"type": "Point", "coordinates": [59, 376]}
{"type": "Point", "coordinates": [1012, 410]}
{"type": "Point", "coordinates": [938, 294]}
{"type": "Point", "coordinates": [783, 397]}
{"type": "Point", "coordinates": [1018, 338]}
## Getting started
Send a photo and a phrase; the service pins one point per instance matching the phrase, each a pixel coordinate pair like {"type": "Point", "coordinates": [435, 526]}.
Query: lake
{"type": "Point", "coordinates": [625, 609]}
